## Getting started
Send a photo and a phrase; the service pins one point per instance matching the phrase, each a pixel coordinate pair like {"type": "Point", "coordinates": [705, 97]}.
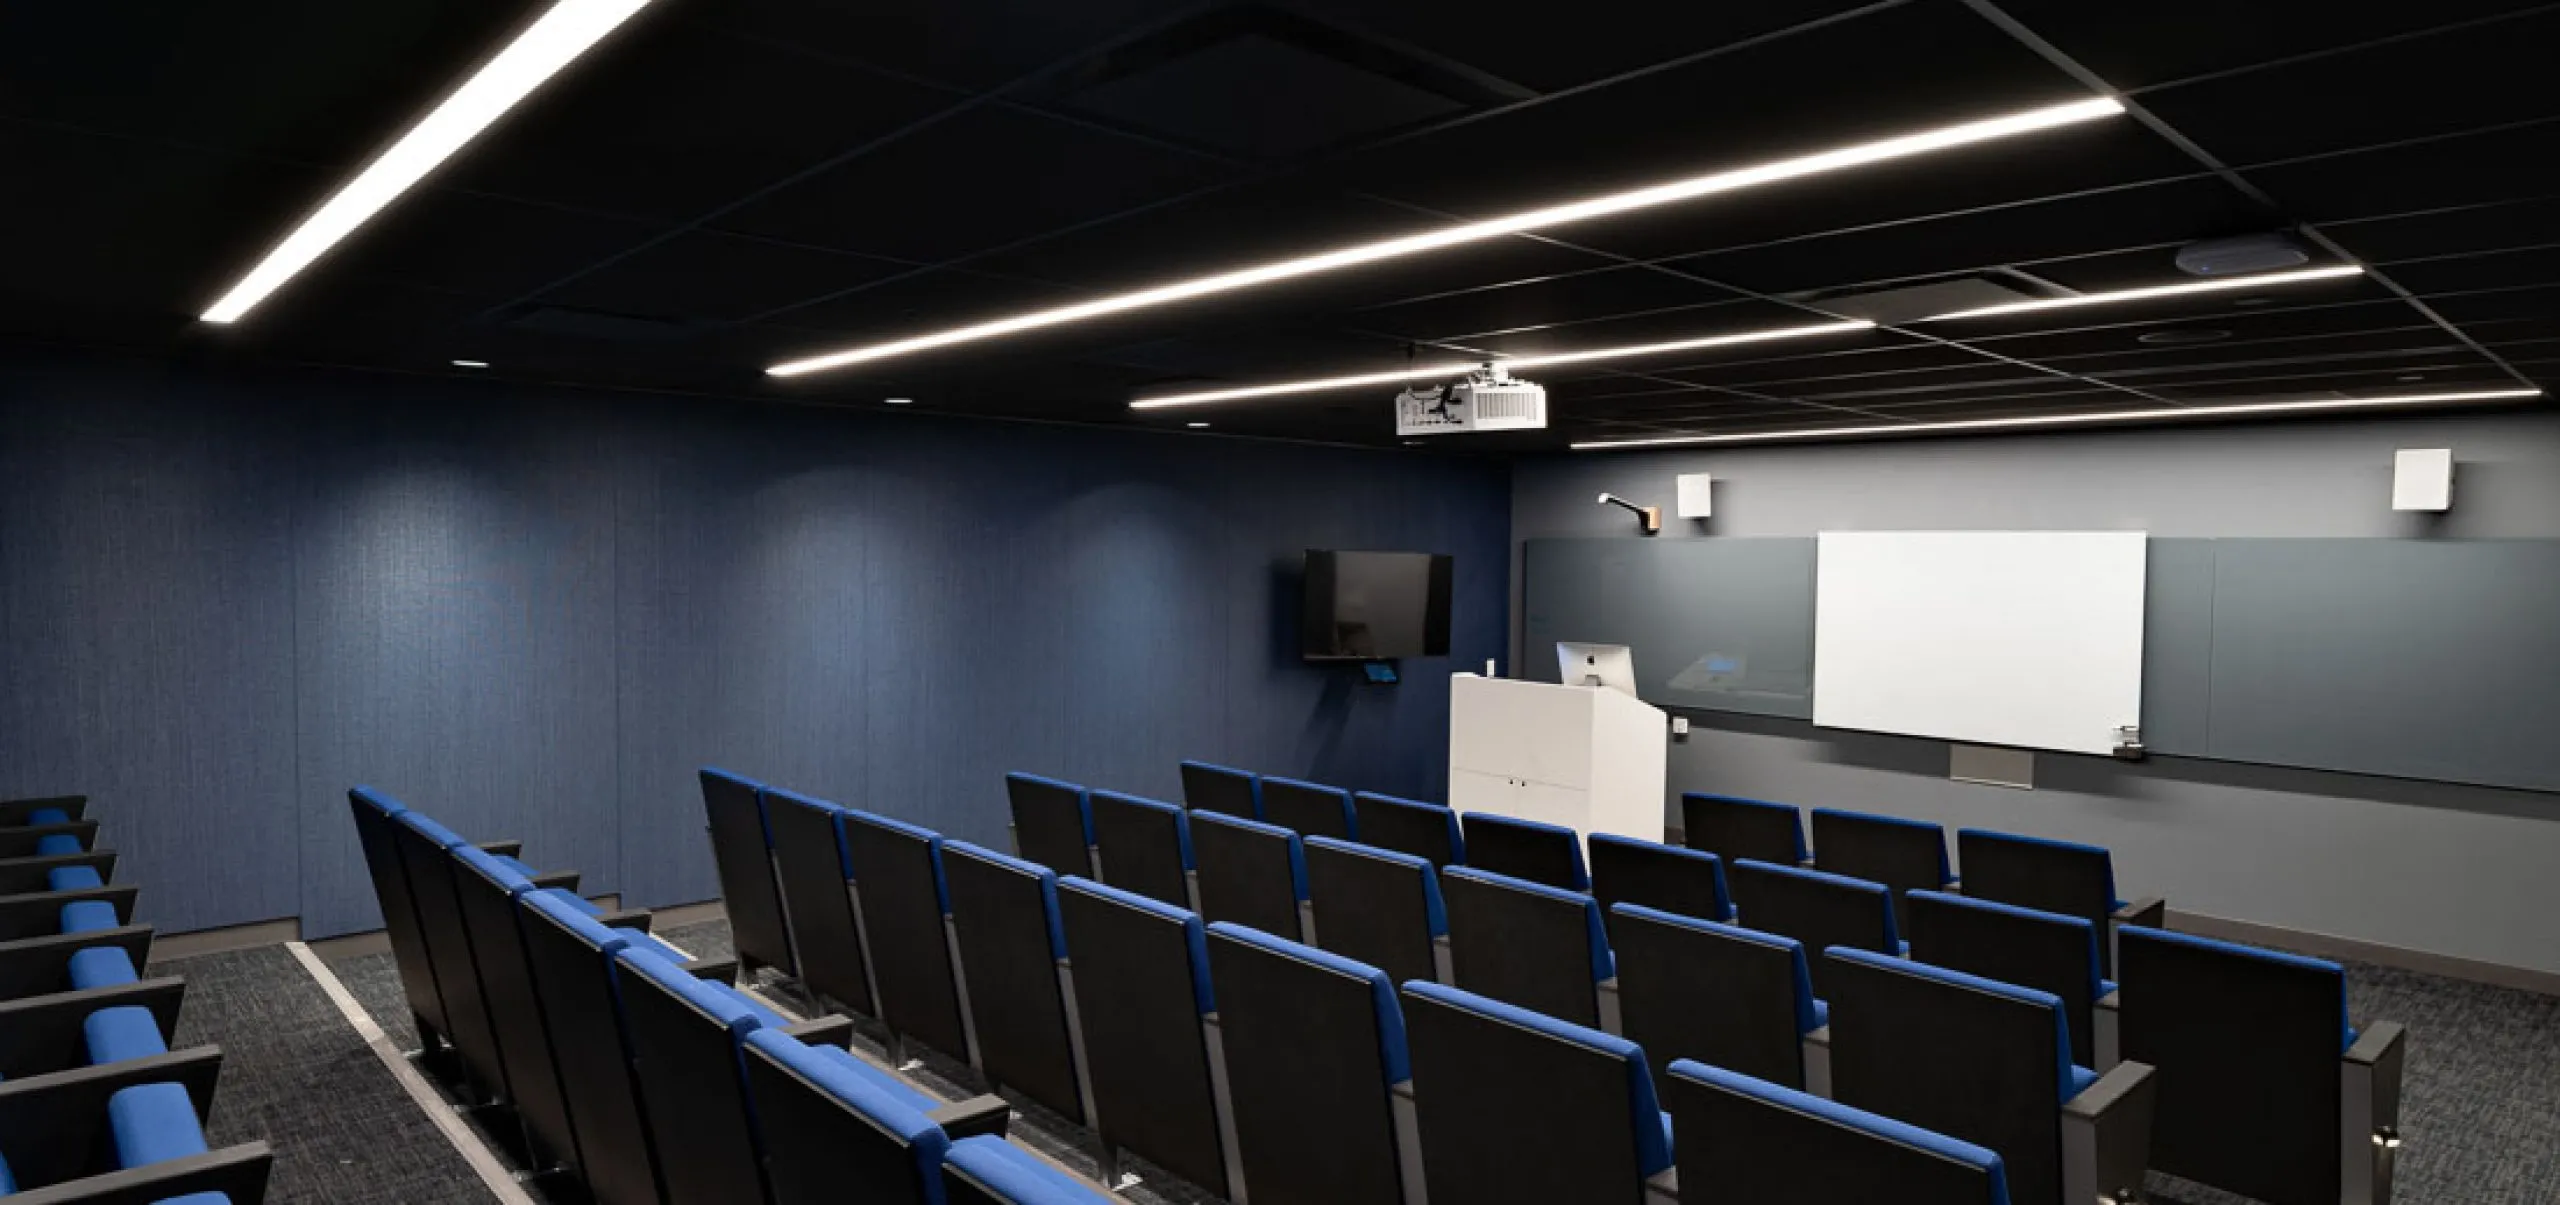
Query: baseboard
{"type": "Point", "coordinates": [225, 939]}
{"type": "Point", "coordinates": [2323, 945]}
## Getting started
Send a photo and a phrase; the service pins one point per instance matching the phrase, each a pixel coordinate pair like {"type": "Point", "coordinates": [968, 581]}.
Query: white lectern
{"type": "Point", "coordinates": [1587, 758]}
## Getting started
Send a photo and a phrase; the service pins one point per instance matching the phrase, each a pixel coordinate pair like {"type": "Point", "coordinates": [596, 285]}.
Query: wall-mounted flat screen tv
{"type": "Point", "coordinates": [1375, 606]}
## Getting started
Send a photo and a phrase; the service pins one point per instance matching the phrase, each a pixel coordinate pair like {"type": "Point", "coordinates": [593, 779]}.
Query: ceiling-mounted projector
{"type": "Point", "coordinates": [1488, 400]}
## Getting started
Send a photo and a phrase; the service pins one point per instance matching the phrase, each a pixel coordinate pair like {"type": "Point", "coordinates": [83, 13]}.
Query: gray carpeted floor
{"type": "Point", "coordinates": [295, 1074]}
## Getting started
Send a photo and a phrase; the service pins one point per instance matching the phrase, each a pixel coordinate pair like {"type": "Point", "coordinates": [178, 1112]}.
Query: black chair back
{"type": "Point", "coordinates": [2048, 876]}
{"type": "Point", "coordinates": [28, 876]}
{"type": "Point", "coordinates": [742, 852]}
{"type": "Point", "coordinates": [1730, 997]}
{"type": "Point", "coordinates": [1425, 830]}
{"type": "Point", "coordinates": [1904, 855]}
{"type": "Point", "coordinates": [817, 893]}
{"type": "Point", "coordinates": [1376, 906]}
{"type": "Point", "coordinates": [1745, 1140]}
{"type": "Point", "coordinates": [1526, 944]}
{"type": "Point", "coordinates": [1516, 1108]}
{"type": "Point", "coordinates": [1307, 809]}
{"type": "Point", "coordinates": [488, 894]}
{"type": "Point", "coordinates": [1733, 828]}
{"type": "Point", "coordinates": [685, 1056]}
{"type": "Point", "coordinates": [1208, 788]}
{"type": "Point", "coordinates": [27, 841]}
{"type": "Point", "coordinates": [2046, 951]}
{"type": "Point", "coordinates": [821, 1147]}
{"type": "Point", "coordinates": [1005, 911]}
{"type": "Point", "coordinates": [1818, 910]}
{"type": "Point", "coordinates": [1145, 847]}
{"type": "Point", "coordinates": [1685, 882]}
{"type": "Point", "coordinates": [373, 813]}
{"type": "Point", "coordinates": [1142, 986]}
{"type": "Point", "coordinates": [897, 869]}
{"type": "Point", "coordinates": [1252, 874]}
{"type": "Point", "coordinates": [1052, 826]}
{"type": "Point", "coordinates": [572, 956]}
{"type": "Point", "coordinates": [468, 1025]}
{"type": "Point", "coordinates": [21, 811]}
{"type": "Point", "coordinates": [1525, 849]}
{"type": "Point", "coordinates": [1313, 1043]}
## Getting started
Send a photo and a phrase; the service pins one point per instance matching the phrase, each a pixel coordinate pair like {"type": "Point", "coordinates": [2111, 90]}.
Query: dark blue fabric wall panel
{"type": "Point", "coordinates": [454, 639]}
{"type": "Point", "coordinates": [146, 631]}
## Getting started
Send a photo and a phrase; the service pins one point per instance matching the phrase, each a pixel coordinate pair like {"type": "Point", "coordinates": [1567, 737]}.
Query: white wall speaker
{"type": "Point", "coordinates": [1696, 501]}
{"type": "Point", "coordinates": [2422, 479]}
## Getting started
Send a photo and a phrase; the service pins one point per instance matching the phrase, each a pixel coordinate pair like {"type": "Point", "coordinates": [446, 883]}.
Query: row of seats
{"type": "Point", "coordinates": [94, 1105]}
{"type": "Point", "coordinates": [643, 1071]}
{"type": "Point", "coordinates": [1749, 999]}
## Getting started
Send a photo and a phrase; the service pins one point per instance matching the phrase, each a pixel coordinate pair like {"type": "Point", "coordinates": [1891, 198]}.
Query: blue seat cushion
{"type": "Point", "coordinates": [1047, 878]}
{"type": "Point", "coordinates": [88, 916]}
{"type": "Point", "coordinates": [1016, 1175]}
{"type": "Point", "coordinates": [845, 1063]}
{"type": "Point", "coordinates": [153, 1123]}
{"type": "Point", "coordinates": [507, 873]}
{"type": "Point", "coordinates": [1382, 991]}
{"type": "Point", "coordinates": [425, 826]}
{"type": "Point", "coordinates": [48, 816]}
{"type": "Point", "coordinates": [8, 1179]}
{"type": "Point", "coordinates": [57, 845]}
{"type": "Point", "coordinates": [124, 1032]}
{"type": "Point", "coordinates": [721, 1004]}
{"type": "Point", "coordinates": [1595, 934]}
{"type": "Point", "coordinates": [1435, 915]}
{"type": "Point", "coordinates": [195, 1198]}
{"type": "Point", "coordinates": [73, 878]}
{"type": "Point", "coordinates": [565, 908]}
{"type": "Point", "coordinates": [1195, 936]}
{"type": "Point", "coordinates": [2081, 1079]}
{"type": "Point", "coordinates": [515, 864]}
{"type": "Point", "coordinates": [1653, 1142]}
{"type": "Point", "coordinates": [100, 966]}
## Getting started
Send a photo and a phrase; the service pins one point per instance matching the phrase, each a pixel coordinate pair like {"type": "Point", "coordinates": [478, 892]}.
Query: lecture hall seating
{"type": "Point", "coordinates": [1309, 809]}
{"type": "Point", "coordinates": [1425, 830]}
{"type": "Point", "coordinates": [1530, 945]}
{"type": "Point", "coordinates": [1817, 909]}
{"type": "Point", "coordinates": [1743, 1139]}
{"type": "Point", "coordinates": [1734, 828]}
{"type": "Point", "coordinates": [1224, 789]}
{"type": "Point", "coordinates": [2047, 951]}
{"type": "Point", "coordinates": [1721, 994]}
{"type": "Point", "coordinates": [1251, 874]}
{"type": "Point", "coordinates": [1904, 855]}
{"type": "Point", "coordinates": [1145, 1002]}
{"type": "Point", "coordinates": [1526, 849]}
{"type": "Point", "coordinates": [1013, 948]}
{"type": "Point", "coordinates": [1143, 846]}
{"type": "Point", "coordinates": [2054, 876]}
{"type": "Point", "coordinates": [815, 873]}
{"type": "Point", "coordinates": [1378, 907]}
{"type": "Point", "coordinates": [742, 853]}
{"type": "Point", "coordinates": [1052, 823]}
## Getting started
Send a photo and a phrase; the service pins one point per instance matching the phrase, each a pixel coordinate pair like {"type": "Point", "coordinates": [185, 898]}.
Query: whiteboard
{"type": "Point", "coordinates": [2031, 639]}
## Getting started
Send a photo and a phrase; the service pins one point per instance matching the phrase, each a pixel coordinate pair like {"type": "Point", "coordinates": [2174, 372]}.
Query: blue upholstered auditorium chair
{"type": "Point", "coordinates": [1309, 809]}
{"type": "Point", "coordinates": [2054, 876]}
{"type": "Point", "coordinates": [1052, 823]}
{"type": "Point", "coordinates": [1688, 882]}
{"type": "Point", "coordinates": [2266, 1088]}
{"type": "Point", "coordinates": [1143, 846]}
{"type": "Point", "coordinates": [1378, 907]}
{"type": "Point", "coordinates": [1904, 855]}
{"type": "Point", "coordinates": [815, 872]}
{"type": "Point", "coordinates": [1250, 873]}
{"type": "Point", "coordinates": [1145, 1009]}
{"type": "Point", "coordinates": [2047, 951]}
{"type": "Point", "coordinates": [1214, 788]}
{"type": "Point", "coordinates": [835, 1128]}
{"type": "Point", "coordinates": [742, 853]}
{"type": "Point", "coordinates": [1004, 913]}
{"type": "Point", "coordinates": [428, 853]}
{"type": "Point", "coordinates": [1526, 849]}
{"type": "Point", "coordinates": [53, 836]}
{"type": "Point", "coordinates": [906, 930]}
{"type": "Point", "coordinates": [1744, 1139]}
{"type": "Point", "coordinates": [1989, 1063]}
{"type": "Point", "coordinates": [131, 1131]}
{"type": "Point", "coordinates": [1527, 944]}
{"type": "Point", "coordinates": [1410, 826]}
{"type": "Point", "coordinates": [991, 1171]}
{"type": "Point", "coordinates": [48, 809]}
{"type": "Point", "coordinates": [102, 1013]}
{"type": "Point", "coordinates": [1317, 1073]}
{"type": "Point", "coordinates": [1818, 909]}
{"type": "Point", "coordinates": [84, 937]}
{"type": "Point", "coordinates": [375, 813]}
{"type": "Point", "coordinates": [1519, 1108]}
{"type": "Point", "coordinates": [1721, 994]}
{"type": "Point", "coordinates": [1734, 828]}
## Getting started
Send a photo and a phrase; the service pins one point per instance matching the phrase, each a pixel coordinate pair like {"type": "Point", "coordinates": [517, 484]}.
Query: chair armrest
{"type": "Point", "coordinates": [718, 970]}
{"type": "Point", "coordinates": [830, 1030]}
{"type": "Point", "coordinates": [2369, 1104]}
{"type": "Point", "coordinates": [237, 1172]}
{"type": "Point", "coordinates": [564, 879]}
{"type": "Point", "coordinates": [2148, 913]}
{"type": "Point", "coordinates": [2379, 1052]}
{"type": "Point", "coordinates": [39, 913]}
{"type": "Point", "coordinates": [501, 849]}
{"type": "Point", "coordinates": [40, 1034]}
{"type": "Point", "coordinates": [2106, 1135]}
{"type": "Point", "coordinates": [628, 918]}
{"type": "Point", "coordinates": [973, 1117]}
{"type": "Point", "coordinates": [35, 966]}
{"type": "Point", "coordinates": [1663, 1185]}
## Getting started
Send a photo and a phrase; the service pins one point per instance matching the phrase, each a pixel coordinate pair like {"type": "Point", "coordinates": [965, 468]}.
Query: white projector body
{"type": "Point", "coordinates": [1488, 400]}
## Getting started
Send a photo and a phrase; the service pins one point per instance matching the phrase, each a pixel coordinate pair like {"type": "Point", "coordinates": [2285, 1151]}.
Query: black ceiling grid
{"type": "Point", "coordinates": [723, 186]}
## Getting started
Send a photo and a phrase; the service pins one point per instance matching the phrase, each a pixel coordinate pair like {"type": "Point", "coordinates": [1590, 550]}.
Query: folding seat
{"type": "Point", "coordinates": [2047, 951]}
{"type": "Point", "coordinates": [1308, 809]}
{"type": "Point", "coordinates": [1378, 907]}
{"type": "Point", "coordinates": [1744, 1139]}
{"type": "Point", "coordinates": [375, 813]}
{"type": "Point", "coordinates": [1052, 823]}
{"type": "Point", "coordinates": [742, 852]}
{"type": "Point", "coordinates": [1519, 1108]}
{"type": "Point", "coordinates": [1720, 994]}
{"type": "Point", "coordinates": [1250, 873]}
{"type": "Point", "coordinates": [426, 852]}
{"type": "Point", "coordinates": [1212, 788]}
{"type": "Point", "coordinates": [834, 1128]}
{"type": "Point", "coordinates": [572, 956]}
{"type": "Point", "coordinates": [1988, 1063]}
{"type": "Point", "coordinates": [1144, 1003]}
{"type": "Point", "coordinates": [906, 929]}
{"type": "Point", "coordinates": [1817, 909]}
{"type": "Point", "coordinates": [1734, 828]}
{"type": "Point", "coordinates": [48, 839]}
{"type": "Point", "coordinates": [816, 876]}
{"type": "Point", "coordinates": [1526, 849]}
{"type": "Point", "coordinates": [1316, 1071]}
{"type": "Point", "coordinates": [1425, 830]}
{"type": "Point", "coordinates": [2054, 876]}
{"type": "Point", "coordinates": [86, 939]}
{"type": "Point", "coordinates": [39, 913]}
{"type": "Point", "coordinates": [1904, 855]}
{"type": "Point", "coordinates": [1675, 879]}
{"type": "Point", "coordinates": [61, 1031]}
{"type": "Point", "coordinates": [1531, 945]}
{"type": "Point", "coordinates": [1013, 952]}
{"type": "Point", "coordinates": [2267, 1090]}
{"type": "Point", "coordinates": [123, 1135]}
{"type": "Point", "coordinates": [56, 872]}
{"type": "Point", "coordinates": [49, 809]}
{"type": "Point", "coordinates": [1143, 846]}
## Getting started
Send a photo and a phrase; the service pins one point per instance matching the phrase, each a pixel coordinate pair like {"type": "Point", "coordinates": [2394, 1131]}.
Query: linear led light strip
{"type": "Point", "coordinates": [1458, 367]}
{"type": "Point", "coordinates": [2259, 280]}
{"type": "Point", "coordinates": [551, 43]}
{"type": "Point", "coordinates": [1858, 155]}
{"type": "Point", "coordinates": [2240, 410]}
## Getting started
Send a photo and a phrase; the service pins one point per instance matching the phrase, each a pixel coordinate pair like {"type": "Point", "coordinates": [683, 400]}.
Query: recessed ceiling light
{"type": "Point", "coordinates": [2144, 294]}
{"type": "Point", "coordinates": [2182, 336]}
{"type": "Point", "coordinates": [1735, 180]}
{"type": "Point", "coordinates": [1451, 368]}
{"type": "Point", "coordinates": [548, 45]}
{"type": "Point", "coordinates": [471, 363]}
{"type": "Point", "coordinates": [1197, 426]}
{"type": "Point", "coordinates": [897, 401]}
{"type": "Point", "coordinates": [2243, 409]}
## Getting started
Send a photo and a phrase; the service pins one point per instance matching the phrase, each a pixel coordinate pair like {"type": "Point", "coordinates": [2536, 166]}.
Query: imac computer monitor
{"type": "Point", "coordinates": [1609, 665]}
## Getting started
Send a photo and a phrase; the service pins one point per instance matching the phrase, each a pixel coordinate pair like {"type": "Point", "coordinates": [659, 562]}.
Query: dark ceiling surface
{"type": "Point", "coordinates": [728, 183]}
